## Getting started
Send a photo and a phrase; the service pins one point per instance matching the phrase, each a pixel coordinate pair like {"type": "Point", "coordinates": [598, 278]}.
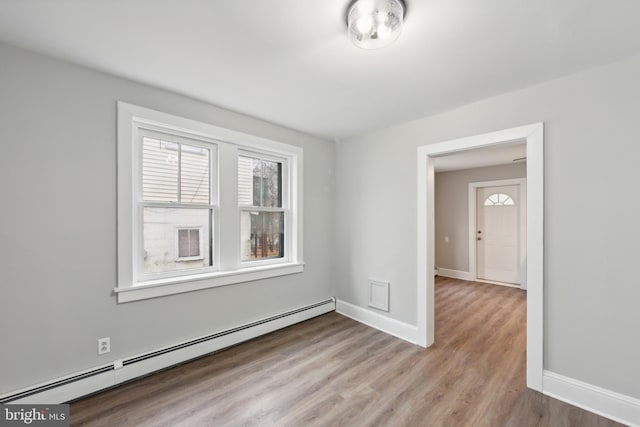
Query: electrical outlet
{"type": "Point", "coordinates": [104, 345]}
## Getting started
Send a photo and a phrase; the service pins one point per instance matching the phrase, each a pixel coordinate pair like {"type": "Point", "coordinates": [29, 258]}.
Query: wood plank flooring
{"type": "Point", "coordinates": [333, 371]}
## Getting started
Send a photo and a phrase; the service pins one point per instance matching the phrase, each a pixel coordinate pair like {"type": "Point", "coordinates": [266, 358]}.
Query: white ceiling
{"type": "Point", "coordinates": [503, 154]}
{"type": "Point", "coordinates": [290, 61]}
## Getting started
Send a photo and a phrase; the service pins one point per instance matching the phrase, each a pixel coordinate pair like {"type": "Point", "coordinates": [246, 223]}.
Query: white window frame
{"type": "Point", "coordinates": [228, 269]}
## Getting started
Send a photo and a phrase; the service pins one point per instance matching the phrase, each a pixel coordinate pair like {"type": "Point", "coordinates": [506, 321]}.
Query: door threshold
{"type": "Point", "coordinates": [491, 282]}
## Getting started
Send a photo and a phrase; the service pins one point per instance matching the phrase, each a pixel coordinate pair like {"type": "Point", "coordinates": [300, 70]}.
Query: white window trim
{"type": "Point", "coordinates": [230, 270]}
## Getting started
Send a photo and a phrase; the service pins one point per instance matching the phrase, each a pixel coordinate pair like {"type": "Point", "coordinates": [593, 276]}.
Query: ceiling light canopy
{"type": "Point", "coordinates": [375, 23]}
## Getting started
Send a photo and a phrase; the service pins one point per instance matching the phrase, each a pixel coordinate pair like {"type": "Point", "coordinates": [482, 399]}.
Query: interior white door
{"type": "Point", "coordinates": [498, 234]}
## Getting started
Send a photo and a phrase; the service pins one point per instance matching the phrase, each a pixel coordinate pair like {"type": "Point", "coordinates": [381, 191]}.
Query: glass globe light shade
{"type": "Point", "coordinates": [375, 23]}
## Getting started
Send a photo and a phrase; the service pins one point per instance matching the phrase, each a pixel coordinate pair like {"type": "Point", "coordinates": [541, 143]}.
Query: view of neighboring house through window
{"type": "Point", "coordinates": [262, 211]}
{"type": "Point", "coordinates": [177, 210]}
{"type": "Point", "coordinates": [189, 243]}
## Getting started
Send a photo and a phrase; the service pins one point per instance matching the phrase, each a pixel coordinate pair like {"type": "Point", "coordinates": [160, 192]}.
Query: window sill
{"type": "Point", "coordinates": [189, 258]}
{"type": "Point", "coordinates": [176, 285]}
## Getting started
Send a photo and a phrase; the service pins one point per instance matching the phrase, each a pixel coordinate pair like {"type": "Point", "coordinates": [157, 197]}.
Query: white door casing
{"type": "Point", "coordinates": [534, 270]}
{"type": "Point", "coordinates": [498, 234]}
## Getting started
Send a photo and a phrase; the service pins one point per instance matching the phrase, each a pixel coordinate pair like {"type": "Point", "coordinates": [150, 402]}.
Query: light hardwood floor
{"type": "Point", "coordinates": [333, 371]}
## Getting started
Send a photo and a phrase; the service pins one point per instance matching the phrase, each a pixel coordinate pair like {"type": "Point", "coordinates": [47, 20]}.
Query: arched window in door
{"type": "Point", "coordinates": [499, 199]}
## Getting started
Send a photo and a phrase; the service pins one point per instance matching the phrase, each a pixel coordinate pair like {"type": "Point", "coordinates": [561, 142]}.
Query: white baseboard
{"type": "Point", "coordinates": [609, 404]}
{"type": "Point", "coordinates": [454, 274]}
{"type": "Point", "coordinates": [386, 324]}
{"type": "Point", "coordinates": [69, 387]}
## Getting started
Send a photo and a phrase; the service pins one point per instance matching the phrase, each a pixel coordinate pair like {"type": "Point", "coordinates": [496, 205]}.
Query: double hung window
{"type": "Point", "coordinates": [262, 211]}
{"type": "Point", "coordinates": [201, 206]}
{"type": "Point", "coordinates": [177, 205]}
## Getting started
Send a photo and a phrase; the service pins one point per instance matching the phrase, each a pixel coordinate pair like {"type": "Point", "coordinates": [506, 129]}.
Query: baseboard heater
{"type": "Point", "coordinates": [96, 379]}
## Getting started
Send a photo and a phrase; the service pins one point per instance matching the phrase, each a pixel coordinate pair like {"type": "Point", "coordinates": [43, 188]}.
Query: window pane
{"type": "Point", "coordinates": [256, 181]}
{"type": "Point", "coordinates": [271, 184]}
{"type": "Point", "coordinates": [249, 181]}
{"type": "Point", "coordinates": [262, 235]}
{"type": "Point", "coordinates": [183, 243]}
{"type": "Point", "coordinates": [499, 199]}
{"type": "Point", "coordinates": [171, 234]}
{"type": "Point", "coordinates": [194, 242]}
{"type": "Point", "coordinates": [159, 170]}
{"type": "Point", "coordinates": [259, 182]}
{"type": "Point", "coordinates": [245, 181]}
{"type": "Point", "coordinates": [194, 174]}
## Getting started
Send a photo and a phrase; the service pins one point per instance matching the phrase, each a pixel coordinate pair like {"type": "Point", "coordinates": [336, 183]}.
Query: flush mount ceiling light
{"type": "Point", "coordinates": [375, 23]}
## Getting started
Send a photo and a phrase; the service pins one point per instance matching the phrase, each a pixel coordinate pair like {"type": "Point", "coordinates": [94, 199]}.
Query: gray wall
{"type": "Point", "coordinates": [452, 210]}
{"type": "Point", "coordinates": [58, 225]}
{"type": "Point", "coordinates": [591, 214]}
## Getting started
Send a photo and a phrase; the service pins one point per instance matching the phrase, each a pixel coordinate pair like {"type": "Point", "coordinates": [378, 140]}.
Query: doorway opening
{"type": "Point", "coordinates": [533, 136]}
